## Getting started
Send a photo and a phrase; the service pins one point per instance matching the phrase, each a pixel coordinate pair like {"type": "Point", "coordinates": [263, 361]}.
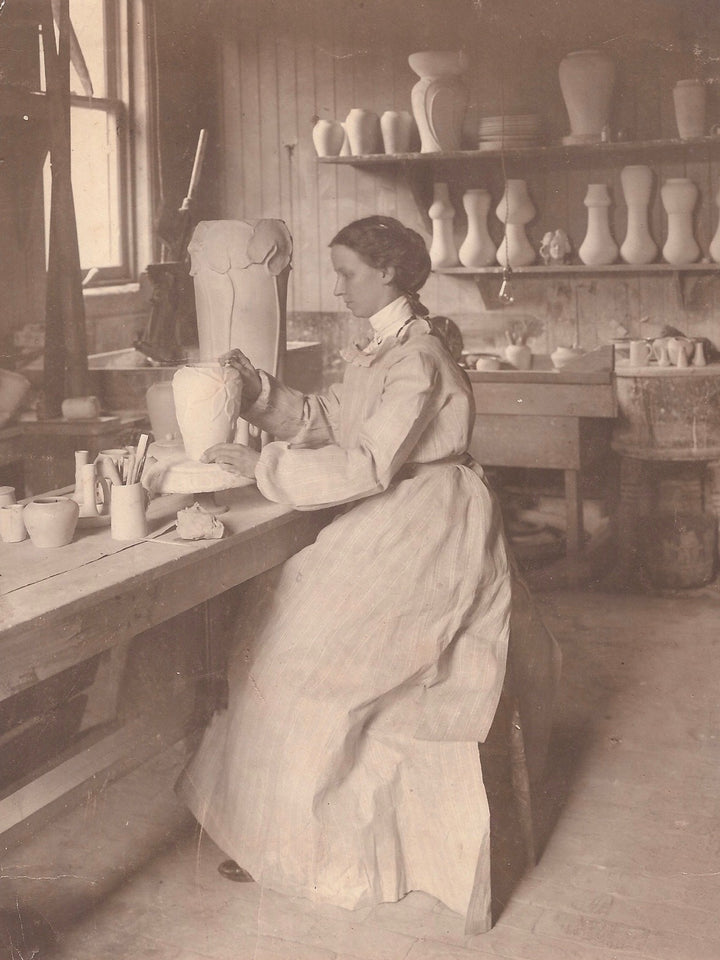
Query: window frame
{"type": "Point", "coordinates": [130, 80]}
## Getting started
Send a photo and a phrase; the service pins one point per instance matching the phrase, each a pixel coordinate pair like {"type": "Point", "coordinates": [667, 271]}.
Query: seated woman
{"type": "Point", "coordinates": [345, 768]}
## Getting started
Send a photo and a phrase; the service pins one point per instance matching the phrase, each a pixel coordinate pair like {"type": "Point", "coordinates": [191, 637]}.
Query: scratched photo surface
{"type": "Point", "coordinates": [253, 713]}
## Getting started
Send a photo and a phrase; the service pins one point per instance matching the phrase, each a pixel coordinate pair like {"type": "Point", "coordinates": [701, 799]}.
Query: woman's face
{"type": "Point", "coordinates": [364, 289]}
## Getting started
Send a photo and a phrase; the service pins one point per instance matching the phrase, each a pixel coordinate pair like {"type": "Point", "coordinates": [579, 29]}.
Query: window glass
{"type": "Point", "coordinates": [95, 187]}
{"type": "Point", "coordinates": [88, 20]}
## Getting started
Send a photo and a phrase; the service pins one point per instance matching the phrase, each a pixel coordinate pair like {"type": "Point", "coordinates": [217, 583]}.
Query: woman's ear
{"type": "Point", "coordinates": [387, 275]}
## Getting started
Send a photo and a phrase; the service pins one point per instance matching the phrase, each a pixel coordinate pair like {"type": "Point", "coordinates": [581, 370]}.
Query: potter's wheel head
{"type": "Point", "coordinates": [180, 475]}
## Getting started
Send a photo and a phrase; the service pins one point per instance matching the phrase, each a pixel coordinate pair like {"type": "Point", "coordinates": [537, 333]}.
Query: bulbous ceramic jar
{"type": "Point", "coordinates": [51, 521]}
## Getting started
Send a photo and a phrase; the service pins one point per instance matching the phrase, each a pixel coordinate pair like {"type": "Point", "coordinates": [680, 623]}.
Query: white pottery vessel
{"type": "Point", "coordinates": [514, 211]}
{"type": "Point", "coordinates": [587, 78]}
{"type": "Point", "coordinates": [638, 245]}
{"type": "Point", "coordinates": [477, 249]}
{"type": "Point", "coordinates": [690, 101]}
{"type": "Point", "coordinates": [439, 99]}
{"type": "Point", "coordinates": [12, 524]}
{"type": "Point", "coordinates": [519, 355]}
{"type": "Point", "coordinates": [363, 132]}
{"type": "Point", "coordinates": [598, 248]}
{"type": "Point", "coordinates": [207, 402]}
{"type": "Point", "coordinates": [328, 137]}
{"type": "Point", "coordinates": [679, 196]}
{"type": "Point", "coordinates": [128, 503]}
{"type": "Point", "coordinates": [396, 127]}
{"type": "Point", "coordinates": [443, 252]}
{"type": "Point", "coordinates": [51, 521]}
{"type": "Point", "coordinates": [714, 249]}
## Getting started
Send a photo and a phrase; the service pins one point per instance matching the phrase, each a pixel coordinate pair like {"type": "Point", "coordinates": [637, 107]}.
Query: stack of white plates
{"type": "Point", "coordinates": [521, 130]}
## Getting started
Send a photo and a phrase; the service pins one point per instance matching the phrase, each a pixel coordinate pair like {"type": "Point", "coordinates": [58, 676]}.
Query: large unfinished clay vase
{"type": "Point", "coordinates": [240, 269]}
{"type": "Point", "coordinates": [207, 400]}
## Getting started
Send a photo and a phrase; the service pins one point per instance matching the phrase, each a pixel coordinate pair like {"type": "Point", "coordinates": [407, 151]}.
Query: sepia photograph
{"type": "Point", "coordinates": [359, 479]}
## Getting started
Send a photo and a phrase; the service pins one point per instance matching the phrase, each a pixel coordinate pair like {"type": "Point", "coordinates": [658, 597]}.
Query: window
{"type": "Point", "coordinates": [110, 140]}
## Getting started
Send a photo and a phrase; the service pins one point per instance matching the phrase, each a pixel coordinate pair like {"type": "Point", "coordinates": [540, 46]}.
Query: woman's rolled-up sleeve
{"type": "Point", "coordinates": [286, 413]}
{"type": "Point", "coordinates": [308, 478]}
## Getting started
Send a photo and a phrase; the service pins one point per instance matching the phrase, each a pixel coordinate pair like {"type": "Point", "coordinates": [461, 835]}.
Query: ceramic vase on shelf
{"type": "Point", "coordinates": [689, 100]}
{"type": "Point", "coordinates": [714, 249]}
{"type": "Point", "coordinates": [679, 196]}
{"type": "Point", "coordinates": [598, 248]}
{"type": "Point", "coordinates": [363, 132]}
{"type": "Point", "coordinates": [477, 249]}
{"type": "Point", "coordinates": [587, 78]}
{"type": "Point", "coordinates": [638, 245]}
{"type": "Point", "coordinates": [519, 355]}
{"type": "Point", "coordinates": [443, 252]}
{"type": "Point", "coordinates": [328, 138]}
{"type": "Point", "coordinates": [515, 211]}
{"type": "Point", "coordinates": [396, 127]}
{"type": "Point", "coordinates": [439, 98]}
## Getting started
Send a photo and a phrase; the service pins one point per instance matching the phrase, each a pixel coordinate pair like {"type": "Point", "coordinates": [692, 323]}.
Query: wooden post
{"type": "Point", "coordinates": [65, 343]}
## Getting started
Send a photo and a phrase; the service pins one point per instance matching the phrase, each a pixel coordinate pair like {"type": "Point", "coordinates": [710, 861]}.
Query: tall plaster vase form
{"type": "Point", "coordinates": [443, 252]}
{"type": "Point", "coordinates": [207, 401]}
{"type": "Point", "coordinates": [598, 248]}
{"type": "Point", "coordinates": [679, 196]}
{"type": "Point", "coordinates": [439, 99]}
{"type": "Point", "coordinates": [587, 79]}
{"type": "Point", "coordinates": [638, 245]}
{"type": "Point", "coordinates": [477, 249]}
{"type": "Point", "coordinates": [515, 211]}
{"type": "Point", "coordinates": [714, 249]}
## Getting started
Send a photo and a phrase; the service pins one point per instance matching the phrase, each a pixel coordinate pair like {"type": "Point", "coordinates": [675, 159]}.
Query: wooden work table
{"type": "Point", "coordinates": [545, 419]}
{"type": "Point", "coordinates": [82, 607]}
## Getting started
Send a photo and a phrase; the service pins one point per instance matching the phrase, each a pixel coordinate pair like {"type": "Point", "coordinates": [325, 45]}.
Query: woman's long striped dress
{"type": "Point", "coordinates": [345, 768]}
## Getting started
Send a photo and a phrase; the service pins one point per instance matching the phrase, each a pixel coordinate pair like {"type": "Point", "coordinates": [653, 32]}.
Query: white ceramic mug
{"type": "Point", "coordinates": [12, 523]}
{"type": "Point", "coordinates": [127, 511]}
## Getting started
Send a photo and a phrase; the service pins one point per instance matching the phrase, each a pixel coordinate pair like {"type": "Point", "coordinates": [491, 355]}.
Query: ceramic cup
{"type": "Point", "coordinates": [127, 511]}
{"type": "Point", "coordinates": [7, 496]}
{"type": "Point", "coordinates": [12, 524]}
{"type": "Point", "coordinates": [640, 353]}
{"type": "Point", "coordinates": [51, 521]}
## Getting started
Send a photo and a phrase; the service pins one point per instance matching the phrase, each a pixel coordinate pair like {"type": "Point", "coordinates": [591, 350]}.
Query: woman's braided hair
{"type": "Point", "coordinates": [385, 242]}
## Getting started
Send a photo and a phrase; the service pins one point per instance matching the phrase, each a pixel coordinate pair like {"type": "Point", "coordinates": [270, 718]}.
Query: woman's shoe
{"type": "Point", "coordinates": [233, 871]}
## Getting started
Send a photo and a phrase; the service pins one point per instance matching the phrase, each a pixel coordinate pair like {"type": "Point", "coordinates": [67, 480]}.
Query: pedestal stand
{"type": "Point", "coordinates": [169, 470]}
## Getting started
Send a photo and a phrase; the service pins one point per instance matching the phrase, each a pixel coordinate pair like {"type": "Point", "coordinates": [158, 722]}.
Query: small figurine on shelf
{"type": "Point", "coordinates": [555, 248]}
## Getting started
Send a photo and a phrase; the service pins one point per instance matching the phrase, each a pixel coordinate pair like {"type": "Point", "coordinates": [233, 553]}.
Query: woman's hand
{"type": "Point", "coordinates": [251, 383]}
{"type": "Point", "coordinates": [233, 457]}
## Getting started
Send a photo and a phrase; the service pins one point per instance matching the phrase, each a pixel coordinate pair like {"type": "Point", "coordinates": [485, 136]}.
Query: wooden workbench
{"type": "Point", "coordinates": [83, 604]}
{"type": "Point", "coordinates": [545, 419]}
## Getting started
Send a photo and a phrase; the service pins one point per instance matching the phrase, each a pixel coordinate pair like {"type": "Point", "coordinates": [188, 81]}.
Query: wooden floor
{"type": "Point", "coordinates": [630, 823]}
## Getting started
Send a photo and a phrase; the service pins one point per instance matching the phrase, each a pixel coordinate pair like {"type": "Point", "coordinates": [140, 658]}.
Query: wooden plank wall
{"type": "Point", "coordinates": [286, 63]}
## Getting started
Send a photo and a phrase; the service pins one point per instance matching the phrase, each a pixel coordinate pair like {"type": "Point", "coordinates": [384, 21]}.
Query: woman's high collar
{"type": "Point", "coordinates": [388, 321]}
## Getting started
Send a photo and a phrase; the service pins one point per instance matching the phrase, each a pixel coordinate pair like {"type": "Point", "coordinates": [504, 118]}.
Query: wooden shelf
{"type": "Point", "coordinates": [581, 268]}
{"type": "Point", "coordinates": [555, 152]}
